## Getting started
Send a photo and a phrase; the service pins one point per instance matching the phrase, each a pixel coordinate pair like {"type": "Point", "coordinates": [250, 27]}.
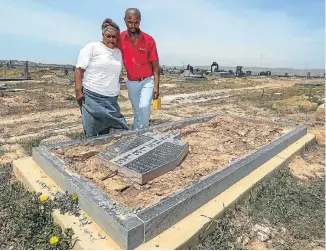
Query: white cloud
{"type": "Point", "coordinates": [199, 32]}
{"type": "Point", "coordinates": [52, 25]}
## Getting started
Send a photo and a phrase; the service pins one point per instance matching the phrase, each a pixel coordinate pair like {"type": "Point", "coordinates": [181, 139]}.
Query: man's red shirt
{"type": "Point", "coordinates": [138, 58]}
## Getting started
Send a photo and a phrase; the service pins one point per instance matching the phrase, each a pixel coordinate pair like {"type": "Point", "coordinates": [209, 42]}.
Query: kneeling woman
{"type": "Point", "coordinates": [97, 83]}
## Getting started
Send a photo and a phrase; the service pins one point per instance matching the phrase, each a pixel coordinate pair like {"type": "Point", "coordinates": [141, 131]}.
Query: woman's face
{"type": "Point", "coordinates": [110, 38]}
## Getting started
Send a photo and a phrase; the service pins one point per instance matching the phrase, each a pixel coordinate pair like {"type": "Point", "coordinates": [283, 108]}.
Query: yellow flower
{"type": "Point", "coordinates": [74, 196]}
{"type": "Point", "coordinates": [54, 239]}
{"type": "Point", "coordinates": [44, 197]}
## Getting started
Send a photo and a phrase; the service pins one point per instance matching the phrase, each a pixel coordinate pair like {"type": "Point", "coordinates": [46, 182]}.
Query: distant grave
{"type": "Point", "coordinates": [26, 75]}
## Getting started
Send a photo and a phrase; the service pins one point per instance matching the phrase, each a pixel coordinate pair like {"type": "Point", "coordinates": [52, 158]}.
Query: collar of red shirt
{"type": "Point", "coordinates": [128, 35]}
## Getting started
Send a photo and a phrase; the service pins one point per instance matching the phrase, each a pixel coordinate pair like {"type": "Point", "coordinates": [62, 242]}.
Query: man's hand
{"type": "Point", "coordinates": [80, 97]}
{"type": "Point", "coordinates": [156, 93]}
{"type": "Point", "coordinates": [156, 71]}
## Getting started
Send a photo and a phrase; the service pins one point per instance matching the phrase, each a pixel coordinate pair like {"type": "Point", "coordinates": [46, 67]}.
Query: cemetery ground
{"type": "Point", "coordinates": [286, 212]}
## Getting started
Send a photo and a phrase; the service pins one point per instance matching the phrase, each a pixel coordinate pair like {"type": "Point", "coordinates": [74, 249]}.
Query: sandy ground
{"type": "Point", "coordinates": [47, 108]}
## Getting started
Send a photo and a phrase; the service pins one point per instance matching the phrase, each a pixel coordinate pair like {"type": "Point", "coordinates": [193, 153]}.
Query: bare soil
{"type": "Point", "coordinates": [212, 146]}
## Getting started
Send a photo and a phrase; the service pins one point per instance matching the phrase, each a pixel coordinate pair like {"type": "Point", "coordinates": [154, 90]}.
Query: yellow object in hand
{"type": "Point", "coordinates": [156, 104]}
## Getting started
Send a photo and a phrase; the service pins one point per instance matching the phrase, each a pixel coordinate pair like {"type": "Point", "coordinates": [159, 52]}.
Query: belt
{"type": "Point", "coordinates": [140, 79]}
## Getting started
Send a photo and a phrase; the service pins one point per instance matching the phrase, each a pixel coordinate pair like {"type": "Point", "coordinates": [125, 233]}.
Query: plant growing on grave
{"type": "Point", "coordinates": [26, 220]}
{"type": "Point", "coordinates": [30, 143]}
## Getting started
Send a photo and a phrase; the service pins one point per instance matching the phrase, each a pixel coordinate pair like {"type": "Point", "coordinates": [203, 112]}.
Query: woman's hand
{"type": "Point", "coordinates": [79, 73]}
{"type": "Point", "coordinates": [80, 97]}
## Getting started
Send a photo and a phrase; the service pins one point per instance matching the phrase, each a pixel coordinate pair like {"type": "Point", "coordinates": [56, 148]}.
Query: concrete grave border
{"type": "Point", "coordinates": [130, 228]}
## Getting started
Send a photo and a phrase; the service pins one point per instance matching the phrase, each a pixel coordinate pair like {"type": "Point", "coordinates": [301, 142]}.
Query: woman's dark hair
{"type": "Point", "coordinates": [109, 22]}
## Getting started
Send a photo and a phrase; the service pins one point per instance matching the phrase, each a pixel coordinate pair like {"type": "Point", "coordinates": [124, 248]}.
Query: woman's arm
{"type": "Point", "coordinates": [79, 73]}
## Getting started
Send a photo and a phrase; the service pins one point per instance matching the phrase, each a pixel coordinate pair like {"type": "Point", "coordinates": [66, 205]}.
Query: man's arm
{"type": "Point", "coordinates": [79, 73]}
{"type": "Point", "coordinates": [156, 71]}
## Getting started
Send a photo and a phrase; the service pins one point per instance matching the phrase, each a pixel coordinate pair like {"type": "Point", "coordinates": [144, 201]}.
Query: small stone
{"type": "Point", "coordinates": [114, 203]}
{"type": "Point", "coordinates": [156, 245]}
{"type": "Point", "coordinates": [238, 240]}
{"type": "Point", "coordinates": [102, 204]}
{"type": "Point", "coordinates": [232, 159]}
{"type": "Point", "coordinates": [147, 187]}
{"type": "Point", "coordinates": [245, 241]}
{"type": "Point", "coordinates": [86, 155]}
{"type": "Point", "coordinates": [162, 180]}
{"type": "Point", "coordinates": [159, 193]}
{"type": "Point", "coordinates": [283, 230]}
{"type": "Point", "coordinates": [260, 228]}
{"type": "Point", "coordinates": [121, 217]}
{"type": "Point", "coordinates": [60, 151]}
{"type": "Point", "coordinates": [102, 236]}
{"type": "Point", "coordinates": [262, 237]}
{"type": "Point", "coordinates": [81, 217]}
{"type": "Point", "coordinates": [150, 182]}
{"type": "Point", "coordinates": [84, 222]}
{"type": "Point", "coordinates": [121, 188]}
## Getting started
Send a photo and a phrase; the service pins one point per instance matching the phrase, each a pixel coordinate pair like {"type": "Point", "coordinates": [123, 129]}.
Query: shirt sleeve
{"type": "Point", "coordinates": [153, 52]}
{"type": "Point", "coordinates": [119, 44]}
{"type": "Point", "coordinates": [84, 57]}
{"type": "Point", "coordinates": [119, 55]}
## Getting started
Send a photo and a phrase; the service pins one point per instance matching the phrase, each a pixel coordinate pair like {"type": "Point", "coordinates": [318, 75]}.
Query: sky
{"type": "Point", "coordinates": [268, 33]}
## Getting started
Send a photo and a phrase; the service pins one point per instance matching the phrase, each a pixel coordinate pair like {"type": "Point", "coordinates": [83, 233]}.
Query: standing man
{"type": "Point", "coordinates": [140, 59]}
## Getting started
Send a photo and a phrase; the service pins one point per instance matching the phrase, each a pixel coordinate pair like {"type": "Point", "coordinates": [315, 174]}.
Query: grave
{"type": "Point", "coordinates": [145, 157]}
{"type": "Point", "coordinates": [131, 226]}
{"type": "Point", "coordinates": [26, 75]}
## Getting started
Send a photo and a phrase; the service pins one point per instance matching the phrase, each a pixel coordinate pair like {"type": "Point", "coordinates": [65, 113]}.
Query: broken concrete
{"type": "Point", "coordinates": [320, 113]}
{"type": "Point", "coordinates": [54, 140]}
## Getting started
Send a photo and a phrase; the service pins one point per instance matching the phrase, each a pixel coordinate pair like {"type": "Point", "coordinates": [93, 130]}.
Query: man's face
{"type": "Point", "coordinates": [132, 22]}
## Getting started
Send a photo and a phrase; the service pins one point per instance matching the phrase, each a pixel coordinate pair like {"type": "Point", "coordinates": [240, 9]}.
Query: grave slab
{"type": "Point", "coordinates": [145, 157]}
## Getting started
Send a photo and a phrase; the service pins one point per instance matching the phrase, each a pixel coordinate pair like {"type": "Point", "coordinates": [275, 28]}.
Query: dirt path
{"type": "Point", "coordinates": [192, 97]}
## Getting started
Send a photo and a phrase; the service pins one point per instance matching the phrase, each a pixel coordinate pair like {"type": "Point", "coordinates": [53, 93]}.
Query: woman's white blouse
{"type": "Point", "coordinates": [102, 68]}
